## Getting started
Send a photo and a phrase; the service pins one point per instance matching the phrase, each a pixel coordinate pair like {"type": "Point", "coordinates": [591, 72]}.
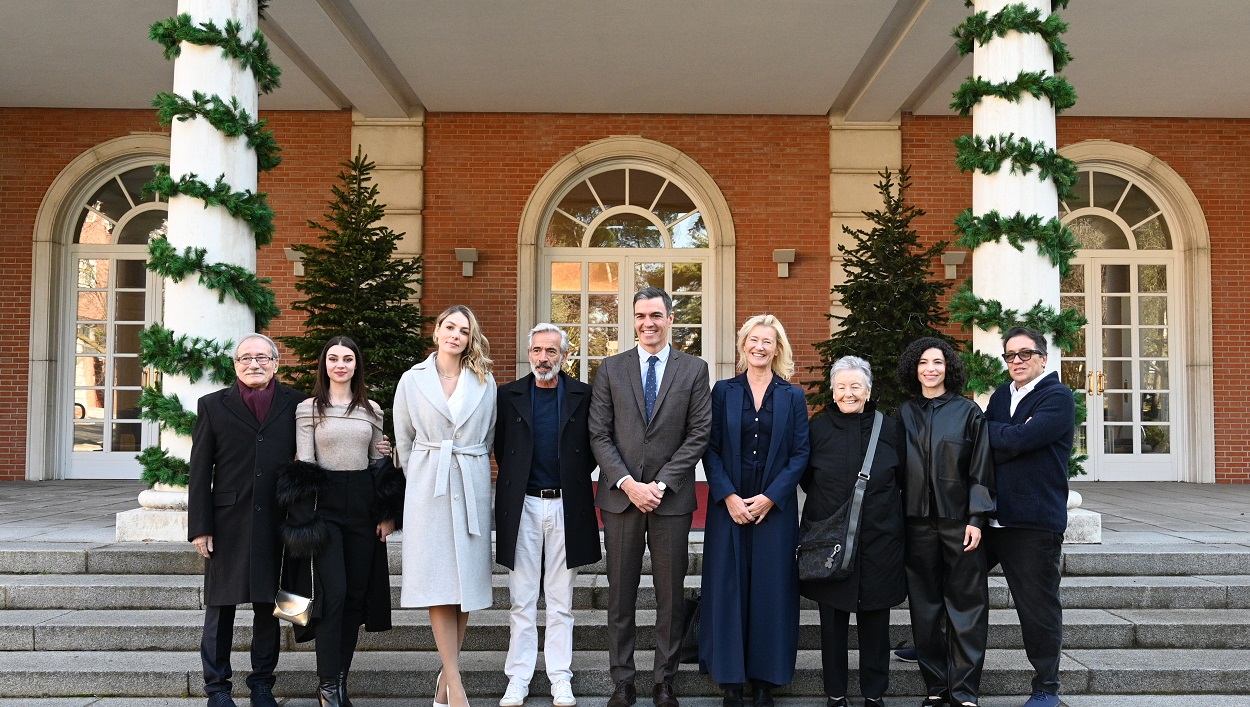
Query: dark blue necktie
{"type": "Point", "coordinates": [650, 389]}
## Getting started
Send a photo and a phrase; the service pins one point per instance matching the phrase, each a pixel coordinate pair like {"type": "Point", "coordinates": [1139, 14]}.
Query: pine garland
{"type": "Point", "coordinates": [1038, 84]}
{"type": "Point", "coordinates": [987, 155]}
{"type": "Point", "coordinates": [241, 284]}
{"type": "Point", "coordinates": [252, 208]}
{"type": "Point", "coordinates": [253, 55]}
{"type": "Point", "coordinates": [159, 467]}
{"type": "Point", "coordinates": [167, 410]}
{"type": "Point", "coordinates": [1055, 5]}
{"type": "Point", "coordinates": [230, 119]}
{"type": "Point", "coordinates": [189, 356]}
{"type": "Point", "coordinates": [1051, 237]}
{"type": "Point", "coordinates": [981, 28]}
{"type": "Point", "coordinates": [984, 372]}
{"type": "Point", "coordinates": [969, 310]}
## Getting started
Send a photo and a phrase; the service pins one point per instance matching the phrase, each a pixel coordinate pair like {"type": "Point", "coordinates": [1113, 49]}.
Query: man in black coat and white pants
{"type": "Point", "coordinates": [544, 507]}
{"type": "Point", "coordinates": [242, 434]}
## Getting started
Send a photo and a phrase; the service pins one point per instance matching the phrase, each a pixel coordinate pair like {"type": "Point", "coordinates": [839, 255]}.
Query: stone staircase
{"type": "Point", "coordinates": [124, 619]}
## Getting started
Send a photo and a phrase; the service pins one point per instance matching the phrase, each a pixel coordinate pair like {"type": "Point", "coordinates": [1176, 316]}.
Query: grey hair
{"type": "Point", "coordinates": [852, 363]}
{"type": "Point", "coordinates": [254, 335]}
{"type": "Point", "coordinates": [542, 327]}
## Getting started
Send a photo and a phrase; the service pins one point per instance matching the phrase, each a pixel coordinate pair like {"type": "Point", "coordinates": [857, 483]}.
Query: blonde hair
{"type": "Point", "coordinates": [783, 362]}
{"type": "Point", "coordinates": [476, 355]}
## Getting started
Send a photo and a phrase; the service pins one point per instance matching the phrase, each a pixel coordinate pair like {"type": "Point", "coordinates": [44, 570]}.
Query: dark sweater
{"type": "Point", "coordinates": [1031, 450]}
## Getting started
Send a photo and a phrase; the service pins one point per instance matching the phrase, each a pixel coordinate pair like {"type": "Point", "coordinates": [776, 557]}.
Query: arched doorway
{"type": "Point", "coordinates": [91, 296]}
{"type": "Point", "coordinates": [1140, 264]}
{"type": "Point", "coordinates": [611, 218]}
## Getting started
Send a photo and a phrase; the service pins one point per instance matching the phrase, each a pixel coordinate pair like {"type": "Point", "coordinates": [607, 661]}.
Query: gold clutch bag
{"type": "Point", "coordinates": [292, 607]}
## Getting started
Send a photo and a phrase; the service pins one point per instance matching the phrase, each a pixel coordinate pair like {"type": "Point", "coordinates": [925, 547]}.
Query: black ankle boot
{"type": "Point", "coordinates": [328, 693]}
{"type": "Point", "coordinates": [733, 697]}
{"type": "Point", "coordinates": [762, 696]}
{"type": "Point", "coordinates": [344, 700]}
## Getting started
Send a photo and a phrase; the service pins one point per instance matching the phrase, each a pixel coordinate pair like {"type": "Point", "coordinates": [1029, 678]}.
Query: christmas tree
{"type": "Point", "coordinates": [890, 297]}
{"type": "Point", "coordinates": [355, 288]}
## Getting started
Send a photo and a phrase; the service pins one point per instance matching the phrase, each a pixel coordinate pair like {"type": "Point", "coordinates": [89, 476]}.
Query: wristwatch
{"type": "Point", "coordinates": [661, 486]}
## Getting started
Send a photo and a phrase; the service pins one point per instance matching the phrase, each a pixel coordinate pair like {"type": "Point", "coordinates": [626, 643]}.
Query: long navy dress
{"type": "Point", "coordinates": [750, 613]}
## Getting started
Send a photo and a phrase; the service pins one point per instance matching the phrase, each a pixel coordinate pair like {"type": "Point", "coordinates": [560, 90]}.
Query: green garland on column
{"type": "Point", "coordinates": [1055, 89]}
{"type": "Point", "coordinates": [1050, 237]}
{"type": "Point", "coordinates": [160, 348]}
{"type": "Point", "coordinates": [988, 154]}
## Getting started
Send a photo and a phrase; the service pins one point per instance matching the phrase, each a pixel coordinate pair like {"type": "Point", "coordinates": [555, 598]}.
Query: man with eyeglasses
{"type": "Point", "coordinates": [1032, 421]}
{"type": "Point", "coordinates": [242, 434]}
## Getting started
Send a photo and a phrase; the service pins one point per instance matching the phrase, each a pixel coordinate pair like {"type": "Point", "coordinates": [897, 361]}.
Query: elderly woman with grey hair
{"type": "Point", "coordinates": [840, 436]}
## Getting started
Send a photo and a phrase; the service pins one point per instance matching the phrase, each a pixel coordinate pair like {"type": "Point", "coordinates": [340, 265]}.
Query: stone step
{"type": "Point", "coordinates": [411, 675]}
{"type": "Point", "coordinates": [143, 591]}
{"type": "Point", "coordinates": [541, 700]}
{"type": "Point", "coordinates": [179, 630]}
{"type": "Point", "coordinates": [179, 558]}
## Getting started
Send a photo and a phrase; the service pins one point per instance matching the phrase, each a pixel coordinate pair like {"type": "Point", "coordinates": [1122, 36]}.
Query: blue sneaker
{"type": "Point", "coordinates": [1042, 699]}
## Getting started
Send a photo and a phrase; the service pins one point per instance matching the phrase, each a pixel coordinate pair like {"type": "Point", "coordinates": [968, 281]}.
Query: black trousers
{"type": "Point", "coordinates": [1030, 560]}
{"type": "Point", "coordinates": [343, 569]}
{"type": "Point", "coordinates": [949, 598]}
{"type": "Point", "coordinates": [874, 650]}
{"type": "Point", "coordinates": [219, 637]}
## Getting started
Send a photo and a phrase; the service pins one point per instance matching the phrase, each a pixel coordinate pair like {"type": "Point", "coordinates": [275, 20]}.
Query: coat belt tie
{"type": "Point", "coordinates": [442, 479]}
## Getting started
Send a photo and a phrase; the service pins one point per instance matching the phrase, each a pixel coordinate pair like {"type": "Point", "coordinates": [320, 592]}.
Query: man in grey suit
{"type": "Point", "coordinates": [650, 419]}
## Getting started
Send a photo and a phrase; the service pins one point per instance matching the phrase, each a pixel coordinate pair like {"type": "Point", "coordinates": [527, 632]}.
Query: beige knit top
{"type": "Point", "coordinates": [339, 441]}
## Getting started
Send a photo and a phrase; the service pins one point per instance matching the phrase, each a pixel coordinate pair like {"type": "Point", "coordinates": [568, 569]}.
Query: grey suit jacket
{"type": "Point", "coordinates": [665, 450]}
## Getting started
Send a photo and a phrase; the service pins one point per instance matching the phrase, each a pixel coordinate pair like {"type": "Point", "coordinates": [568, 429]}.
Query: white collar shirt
{"type": "Point", "coordinates": [1017, 394]}
{"type": "Point", "coordinates": [659, 365]}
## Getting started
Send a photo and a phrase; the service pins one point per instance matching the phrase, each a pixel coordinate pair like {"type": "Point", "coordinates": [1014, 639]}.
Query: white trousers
{"type": "Point", "coordinates": [541, 532]}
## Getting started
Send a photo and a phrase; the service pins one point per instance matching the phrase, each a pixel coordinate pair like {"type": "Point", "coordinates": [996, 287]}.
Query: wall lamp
{"type": "Point", "coordinates": [297, 258]}
{"type": "Point", "coordinates": [953, 259]}
{"type": "Point", "coordinates": [783, 257]}
{"type": "Point", "coordinates": [466, 257]}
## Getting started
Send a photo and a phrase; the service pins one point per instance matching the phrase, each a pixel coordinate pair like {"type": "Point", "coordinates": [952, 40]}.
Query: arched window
{"type": "Point", "coordinates": [610, 232]}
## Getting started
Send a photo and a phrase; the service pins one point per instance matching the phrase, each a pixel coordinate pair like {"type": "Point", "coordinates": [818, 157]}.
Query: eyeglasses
{"type": "Point", "coordinates": [1025, 355]}
{"type": "Point", "coordinates": [247, 360]}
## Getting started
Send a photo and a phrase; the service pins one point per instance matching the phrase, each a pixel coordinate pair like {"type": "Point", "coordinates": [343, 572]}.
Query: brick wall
{"type": "Point", "coordinates": [1212, 156]}
{"type": "Point", "coordinates": [36, 144]}
{"type": "Point", "coordinates": [773, 171]}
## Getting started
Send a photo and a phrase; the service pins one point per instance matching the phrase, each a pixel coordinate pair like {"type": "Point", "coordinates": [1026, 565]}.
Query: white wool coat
{"type": "Point", "coordinates": [447, 513]}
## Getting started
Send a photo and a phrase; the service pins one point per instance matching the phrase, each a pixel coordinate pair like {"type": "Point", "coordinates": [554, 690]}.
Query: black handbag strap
{"type": "Point", "coordinates": [861, 484]}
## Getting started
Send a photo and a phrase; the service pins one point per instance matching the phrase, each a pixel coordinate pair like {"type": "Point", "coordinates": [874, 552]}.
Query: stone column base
{"type": "Point", "coordinates": [147, 524]}
{"type": "Point", "coordinates": [1084, 527]}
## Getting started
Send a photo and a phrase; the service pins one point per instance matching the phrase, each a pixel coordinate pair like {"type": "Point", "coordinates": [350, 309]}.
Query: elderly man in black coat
{"type": "Point", "coordinates": [544, 507]}
{"type": "Point", "coordinates": [243, 433]}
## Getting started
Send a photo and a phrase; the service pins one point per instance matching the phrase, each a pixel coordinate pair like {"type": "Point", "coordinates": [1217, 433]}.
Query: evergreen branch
{"type": "Point", "coordinates": [1038, 84]}
{"type": "Point", "coordinates": [252, 55]}
{"type": "Point", "coordinates": [159, 467]}
{"type": "Point", "coordinates": [968, 311]}
{"type": "Point", "coordinates": [231, 280]}
{"type": "Point", "coordinates": [192, 357]}
{"type": "Point", "coordinates": [230, 119]}
{"type": "Point", "coordinates": [987, 155]}
{"type": "Point", "coordinates": [155, 406]}
{"type": "Point", "coordinates": [1052, 239]}
{"type": "Point", "coordinates": [985, 372]}
{"type": "Point", "coordinates": [981, 28]}
{"type": "Point", "coordinates": [1055, 5]}
{"type": "Point", "coordinates": [252, 208]}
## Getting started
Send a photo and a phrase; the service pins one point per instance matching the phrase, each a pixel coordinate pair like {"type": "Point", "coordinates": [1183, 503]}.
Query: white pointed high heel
{"type": "Point", "coordinates": [438, 682]}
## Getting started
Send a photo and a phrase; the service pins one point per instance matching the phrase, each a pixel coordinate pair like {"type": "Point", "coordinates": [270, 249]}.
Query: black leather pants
{"type": "Point", "coordinates": [949, 599]}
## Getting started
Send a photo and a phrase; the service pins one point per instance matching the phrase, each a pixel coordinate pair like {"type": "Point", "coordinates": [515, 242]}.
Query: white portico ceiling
{"type": "Point", "coordinates": [865, 59]}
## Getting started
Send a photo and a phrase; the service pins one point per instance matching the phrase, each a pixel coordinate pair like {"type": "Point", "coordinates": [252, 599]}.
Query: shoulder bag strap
{"type": "Point", "coordinates": [861, 483]}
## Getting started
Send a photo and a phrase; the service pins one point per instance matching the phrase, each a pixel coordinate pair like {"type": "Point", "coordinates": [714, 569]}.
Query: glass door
{"type": "Point", "coordinates": [1123, 365]}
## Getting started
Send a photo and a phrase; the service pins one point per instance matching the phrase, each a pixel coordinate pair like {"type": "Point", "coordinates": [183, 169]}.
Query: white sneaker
{"type": "Point", "coordinates": [515, 695]}
{"type": "Point", "coordinates": [562, 694]}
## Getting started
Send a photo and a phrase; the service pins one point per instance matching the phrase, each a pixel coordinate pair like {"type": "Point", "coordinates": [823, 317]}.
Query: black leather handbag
{"type": "Point", "coordinates": [826, 551]}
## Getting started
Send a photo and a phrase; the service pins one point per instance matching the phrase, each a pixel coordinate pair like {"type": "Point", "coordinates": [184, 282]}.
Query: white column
{"type": "Point", "coordinates": [999, 271]}
{"type": "Point", "coordinates": [197, 147]}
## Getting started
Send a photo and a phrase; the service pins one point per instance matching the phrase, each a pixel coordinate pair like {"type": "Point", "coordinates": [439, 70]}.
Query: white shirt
{"type": "Point", "coordinates": [1017, 394]}
{"type": "Point", "coordinates": [659, 365]}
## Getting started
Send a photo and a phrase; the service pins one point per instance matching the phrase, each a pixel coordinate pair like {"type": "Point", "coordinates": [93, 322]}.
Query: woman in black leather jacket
{"type": "Point", "coordinates": [948, 495]}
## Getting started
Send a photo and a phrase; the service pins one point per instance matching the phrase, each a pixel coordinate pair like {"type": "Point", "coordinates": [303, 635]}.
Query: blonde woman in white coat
{"type": "Point", "coordinates": [444, 424]}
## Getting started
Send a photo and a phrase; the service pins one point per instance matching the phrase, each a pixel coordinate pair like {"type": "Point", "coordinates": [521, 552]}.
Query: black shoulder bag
{"type": "Point", "coordinates": [827, 547]}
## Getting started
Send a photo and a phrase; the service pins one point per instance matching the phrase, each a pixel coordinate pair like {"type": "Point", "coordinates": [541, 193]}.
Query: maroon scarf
{"type": "Point", "coordinates": [258, 401]}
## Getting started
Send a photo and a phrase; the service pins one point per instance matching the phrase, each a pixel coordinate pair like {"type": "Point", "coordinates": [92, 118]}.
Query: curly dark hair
{"type": "Point", "coordinates": [956, 377]}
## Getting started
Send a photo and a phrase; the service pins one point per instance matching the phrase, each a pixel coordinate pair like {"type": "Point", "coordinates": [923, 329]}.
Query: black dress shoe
{"type": "Point", "coordinates": [262, 696]}
{"type": "Point", "coordinates": [221, 699]}
{"type": "Point", "coordinates": [933, 702]}
{"type": "Point", "coordinates": [662, 695]}
{"type": "Point", "coordinates": [870, 702]}
{"type": "Point", "coordinates": [624, 695]}
{"type": "Point", "coordinates": [328, 693]}
{"type": "Point", "coordinates": [733, 697]}
{"type": "Point", "coordinates": [840, 702]}
{"type": "Point", "coordinates": [762, 696]}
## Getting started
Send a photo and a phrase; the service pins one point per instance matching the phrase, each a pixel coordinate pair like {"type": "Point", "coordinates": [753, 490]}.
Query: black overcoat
{"type": "Point", "coordinates": [839, 443]}
{"type": "Point", "coordinates": [514, 450]}
{"type": "Point", "coordinates": [234, 463]}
